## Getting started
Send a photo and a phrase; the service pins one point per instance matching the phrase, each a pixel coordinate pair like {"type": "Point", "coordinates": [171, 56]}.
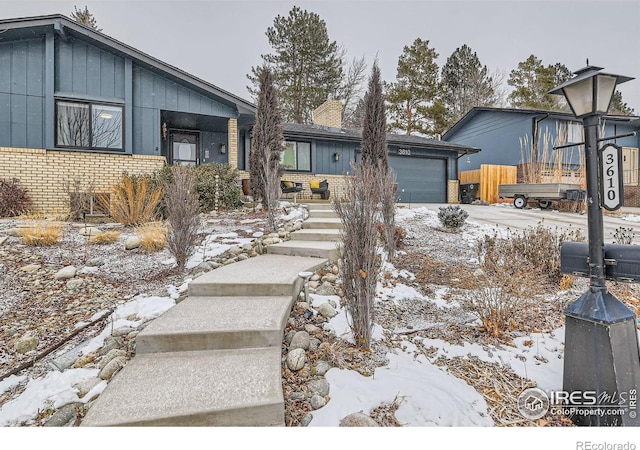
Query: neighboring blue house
{"type": "Point", "coordinates": [511, 136]}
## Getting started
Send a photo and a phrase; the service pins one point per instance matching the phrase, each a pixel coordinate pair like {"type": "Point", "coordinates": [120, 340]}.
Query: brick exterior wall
{"type": "Point", "coordinates": [329, 114]}
{"type": "Point", "coordinates": [48, 173]}
{"type": "Point", "coordinates": [452, 191]}
{"type": "Point", "coordinates": [233, 142]}
{"type": "Point", "coordinates": [336, 183]}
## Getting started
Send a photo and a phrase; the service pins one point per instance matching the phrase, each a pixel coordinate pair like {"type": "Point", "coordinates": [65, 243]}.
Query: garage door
{"type": "Point", "coordinates": [424, 180]}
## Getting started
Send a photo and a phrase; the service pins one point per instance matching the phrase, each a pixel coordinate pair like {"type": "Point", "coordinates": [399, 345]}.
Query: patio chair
{"type": "Point", "coordinates": [291, 187]}
{"type": "Point", "coordinates": [321, 188]}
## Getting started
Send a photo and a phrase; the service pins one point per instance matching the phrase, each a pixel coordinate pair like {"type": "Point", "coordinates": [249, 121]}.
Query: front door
{"type": "Point", "coordinates": [185, 148]}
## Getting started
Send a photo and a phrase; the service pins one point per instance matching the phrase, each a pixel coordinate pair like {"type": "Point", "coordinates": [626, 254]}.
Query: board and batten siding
{"type": "Point", "coordinates": [323, 160]}
{"type": "Point", "coordinates": [22, 93]}
{"type": "Point", "coordinates": [153, 93]}
{"type": "Point", "coordinates": [83, 69]}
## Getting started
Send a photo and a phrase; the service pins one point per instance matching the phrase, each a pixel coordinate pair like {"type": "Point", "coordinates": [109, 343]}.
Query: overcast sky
{"type": "Point", "coordinates": [219, 41]}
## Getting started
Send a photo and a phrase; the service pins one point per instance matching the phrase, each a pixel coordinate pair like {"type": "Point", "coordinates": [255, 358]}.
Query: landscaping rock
{"type": "Point", "coordinates": [319, 387]}
{"type": "Point", "coordinates": [111, 343]}
{"type": "Point", "coordinates": [89, 231]}
{"type": "Point", "coordinates": [26, 343]}
{"type": "Point", "coordinates": [358, 420]}
{"type": "Point", "coordinates": [64, 415]}
{"type": "Point", "coordinates": [13, 232]}
{"type": "Point", "coordinates": [326, 289]}
{"type": "Point", "coordinates": [306, 420]}
{"type": "Point", "coordinates": [3, 239]}
{"type": "Point", "coordinates": [132, 242]}
{"type": "Point", "coordinates": [326, 310]}
{"type": "Point", "coordinates": [331, 278]}
{"type": "Point", "coordinates": [85, 386]}
{"type": "Point", "coordinates": [317, 402]}
{"type": "Point", "coordinates": [29, 268]}
{"type": "Point", "coordinates": [112, 367]}
{"type": "Point", "coordinates": [310, 328]}
{"type": "Point", "coordinates": [242, 257]}
{"type": "Point", "coordinates": [75, 284]}
{"type": "Point", "coordinates": [314, 344]}
{"type": "Point", "coordinates": [300, 340]}
{"type": "Point", "coordinates": [65, 273]}
{"type": "Point", "coordinates": [106, 359]}
{"type": "Point", "coordinates": [296, 359]}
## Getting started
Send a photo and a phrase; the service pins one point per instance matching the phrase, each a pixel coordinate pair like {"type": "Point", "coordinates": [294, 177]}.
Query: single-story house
{"type": "Point", "coordinates": [516, 137]}
{"type": "Point", "coordinates": [78, 108]}
{"type": "Point", "coordinates": [426, 169]}
{"type": "Point", "coordinates": [78, 105]}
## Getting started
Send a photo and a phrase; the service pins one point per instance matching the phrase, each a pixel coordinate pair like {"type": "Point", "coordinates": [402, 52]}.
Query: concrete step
{"type": "Point", "coordinates": [318, 249]}
{"type": "Point", "coordinates": [322, 223]}
{"type": "Point", "coordinates": [316, 234]}
{"type": "Point", "coordinates": [210, 323]}
{"type": "Point", "coordinates": [319, 205]}
{"type": "Point", "coordinates": [265, 275]}
{"type": "Point", "coordinates": [322, 214]}
{"type": "Point", "coordinates": [239, 387]}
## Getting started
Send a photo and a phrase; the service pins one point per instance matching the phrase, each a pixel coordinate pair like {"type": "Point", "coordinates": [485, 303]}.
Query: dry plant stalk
{"type": "Point", "coordinates": [42, 233]}
{"type": "Point", "coordinates": [107, 237]}
{"type": "Point", "coordinates": [153, 236]}
{"type": "Point", "coordinates": [359, 262]}
{"type": "Point", "coordinates": [133, 201]}
{"type": "Point", "coordinates": [387, 186]}
{"type": "Point", "coordinates": [182, 214]}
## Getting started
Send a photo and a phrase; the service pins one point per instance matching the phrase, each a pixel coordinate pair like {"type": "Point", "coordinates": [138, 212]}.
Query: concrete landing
{"type": "Point", "coordinates": [322, 214]}
{"type": "Point", "coordinates": [316, 234]}
{"type": "Point", "coordinates": [322, 223]}
{"type": "Point", "coordinates": [208, 323]}
{"type": "Point", "coordinates": [240, 387]}
{"type": "Point", "coordinates": [318, 249]}
{"type": "Point", "coordinates": [266, 275]}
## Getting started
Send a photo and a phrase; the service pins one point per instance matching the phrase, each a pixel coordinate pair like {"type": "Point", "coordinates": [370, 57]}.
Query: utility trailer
{"type": "Point", "coordinates": [544, 193]}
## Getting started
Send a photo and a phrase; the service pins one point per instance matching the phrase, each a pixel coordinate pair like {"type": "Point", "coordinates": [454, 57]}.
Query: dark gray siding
{"type": "Point", "coordinates": [22, 93]}
{"type": "Point", "coordinates": [210, 145]}
{"type": "Point", "coordinates": [86, 70]}
{"type": "Point", "coordinates": [323, 157]}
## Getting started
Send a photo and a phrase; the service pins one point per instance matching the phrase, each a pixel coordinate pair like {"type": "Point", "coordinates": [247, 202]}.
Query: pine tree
{"type": "Point", "coordinates": [411, 96]}
{"type": "Point", "coordinates": [618, 106]}
{"type": "Point", "coordinates": [84, 17]}
{"type": "Point", "coordinates": [465, 83]}
{"type": "Point", "coordinates": [374, 131]}
{"type": "Point", "coordinates": [307, 67]}
{"type": "Point", "coordinates": [266, 146]}
{"type": "Point", "coordinates": [532, 82]}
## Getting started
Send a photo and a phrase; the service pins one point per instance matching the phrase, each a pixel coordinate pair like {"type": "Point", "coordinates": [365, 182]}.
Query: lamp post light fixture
{"type": "Point", "coordinates": [602, 356]}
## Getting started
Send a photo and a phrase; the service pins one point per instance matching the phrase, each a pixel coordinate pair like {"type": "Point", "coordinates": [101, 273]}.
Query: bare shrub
{"type": "Point", "coordinates": [623, 235]}
{"type": "Point", "coordinates": [182, 214]}
{"type": "Point", "coordinates": [80, 198]}
{"type": "Point", "coordinates": [42, 234]}
{"type": "Point", "coordinates": [359, 262]}
{"type": "Point", "coordinates": [14, 199]}
{"type": "Point", "coordinates": [387, 186]}
{"type": "Point", "coordinates": [134, 200]}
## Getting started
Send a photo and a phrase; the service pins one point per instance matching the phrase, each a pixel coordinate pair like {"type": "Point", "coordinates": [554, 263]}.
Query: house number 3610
{"type": "Point", "coordinates": [611, 186]}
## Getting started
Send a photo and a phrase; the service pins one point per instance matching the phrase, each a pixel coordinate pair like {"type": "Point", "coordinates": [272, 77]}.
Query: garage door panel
{"type": "Point", "coordinates": [424, 180]}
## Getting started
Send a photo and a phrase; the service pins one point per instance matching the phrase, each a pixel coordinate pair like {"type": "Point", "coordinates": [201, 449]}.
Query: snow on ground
{"type": "Point", "coordinates": [631, 218]}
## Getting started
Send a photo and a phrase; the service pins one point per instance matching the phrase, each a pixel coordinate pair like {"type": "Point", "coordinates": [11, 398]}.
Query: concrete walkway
{"type": "Point", "coordinates": [215, 358]}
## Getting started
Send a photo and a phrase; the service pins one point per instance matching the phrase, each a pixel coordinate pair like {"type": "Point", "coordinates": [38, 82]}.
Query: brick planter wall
{"type": "Point", "coordinates": [48, 173]}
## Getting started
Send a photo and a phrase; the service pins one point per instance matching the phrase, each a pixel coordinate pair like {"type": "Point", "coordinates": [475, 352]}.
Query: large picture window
{"type": "Point", "coordinates": [88, 125]}
{"type": "Point", "coordinates": [297, 156]}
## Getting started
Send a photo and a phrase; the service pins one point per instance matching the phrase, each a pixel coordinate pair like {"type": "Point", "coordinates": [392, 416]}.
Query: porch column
{"type": "Point", "coordinates": [232, 129]}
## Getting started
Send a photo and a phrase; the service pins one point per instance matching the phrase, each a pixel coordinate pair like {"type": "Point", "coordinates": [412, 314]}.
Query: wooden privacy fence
{"type": "Point", "coordinates": [489, 177]}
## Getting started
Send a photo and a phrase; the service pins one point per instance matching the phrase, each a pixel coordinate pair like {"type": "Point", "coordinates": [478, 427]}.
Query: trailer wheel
{"type": "Point", "coordinates": [520, 202]}
{"type": "Point", "coordinates": [544, 204]}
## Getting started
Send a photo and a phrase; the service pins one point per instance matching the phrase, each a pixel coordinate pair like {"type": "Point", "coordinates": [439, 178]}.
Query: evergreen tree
{"type": "Point", "coordinates": [307, 67]}
{"type": "Point", "coordinates": [532, 82]}
{"type": "Point", "coordinates": [374, 131]}
{"type": "Point", "coordinates": [411, 96]}
{"type": "Point", "coordinates": [266, 146]}
{"type": "Point", "coordinates": [618, 106]}
{"type": "Point", "coordinates": [465, 83]}
{"type": "Point", "coordinates": [84, 17]}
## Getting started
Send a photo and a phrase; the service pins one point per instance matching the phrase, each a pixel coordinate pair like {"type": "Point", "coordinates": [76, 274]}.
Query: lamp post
{"type": "Point", "coordinates": [602, 357]}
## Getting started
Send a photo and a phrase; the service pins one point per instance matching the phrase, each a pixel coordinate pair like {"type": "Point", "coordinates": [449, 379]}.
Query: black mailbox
{"type": "Point", "coordinates": [574, 258]}
{"type": "Point", "coordinates": [622, 261]}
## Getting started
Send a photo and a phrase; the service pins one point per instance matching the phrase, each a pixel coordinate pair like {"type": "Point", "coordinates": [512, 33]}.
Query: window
{"type": "Point", "coordinates": [571, 132]}
{"type": "Point", "coordinates": [296, 156]}
{"type": "Point", "coordinates": [88, 125]}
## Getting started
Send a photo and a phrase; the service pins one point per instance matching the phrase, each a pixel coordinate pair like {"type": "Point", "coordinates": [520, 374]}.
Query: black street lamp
{"type": "Point", "coordinates": [602, 356]}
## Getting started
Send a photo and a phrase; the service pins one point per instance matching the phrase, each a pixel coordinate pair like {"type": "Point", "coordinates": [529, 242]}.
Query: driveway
{"type": "Point", "coordinates": [506, 215]}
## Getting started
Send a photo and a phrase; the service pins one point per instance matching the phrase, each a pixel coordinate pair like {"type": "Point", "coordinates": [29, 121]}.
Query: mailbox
{"type": "Point", "coordinates": [622, 261]}
{"type": "Point", "coordinates": [574, 258]}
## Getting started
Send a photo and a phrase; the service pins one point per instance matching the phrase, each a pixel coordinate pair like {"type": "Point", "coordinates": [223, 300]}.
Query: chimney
{"type": "Point", "coordinates": [329, 114]}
